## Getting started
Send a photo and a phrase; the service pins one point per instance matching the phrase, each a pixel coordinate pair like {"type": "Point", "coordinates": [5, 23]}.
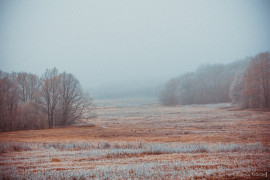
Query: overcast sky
{"type": "Point", "coordinates": [104, 42]}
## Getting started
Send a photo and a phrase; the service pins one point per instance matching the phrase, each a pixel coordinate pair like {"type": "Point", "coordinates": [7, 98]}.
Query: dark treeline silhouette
{"type": "Point", "coordinates": [31, 102]}
{"type": "Point", "coordinates": [245, 83]}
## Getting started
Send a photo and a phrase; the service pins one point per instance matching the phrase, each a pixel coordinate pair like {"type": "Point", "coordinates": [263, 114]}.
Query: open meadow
{"type": "Point", "coordinates": [140, 139]}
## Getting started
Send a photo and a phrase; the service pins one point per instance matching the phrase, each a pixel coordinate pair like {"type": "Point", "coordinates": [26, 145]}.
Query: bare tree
{"type": "Point", "coordinates": [62, 99]}
{"type": "Point", "coordinates": [9, 100]}
{"type": "Point", "coordinates": [49, 95]}
{"type": "Point", "coordinates": [22, 85]}
{"type": "Point", "coordinates": [5, 85]}
{"type": "Point", "coordinates": [28, 86]}
{"type": "Point", "coordinates": [236, 88]}
{"type": "Point", "coordinates": [256, 82]}
{"type": "Point", "coordinates": [237, 85]}
{"type": "Point", "coordinates": [13, 100]}
{"type": "Point", "coordinates": [73, 102]}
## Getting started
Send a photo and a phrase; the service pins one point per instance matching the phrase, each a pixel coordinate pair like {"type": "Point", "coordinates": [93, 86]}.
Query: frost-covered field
{"type": "Point", "coordinates": [103, 160]}
{"type": "Point", "coordinates": [143, 140]}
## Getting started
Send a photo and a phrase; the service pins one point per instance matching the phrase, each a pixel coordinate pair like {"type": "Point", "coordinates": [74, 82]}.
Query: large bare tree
{"type": "Point", "coordinates": [74, 104]}
{"type": "Point", "coordinates": [49, 94]}
{"type": "Point", "coordinates": [62, 98]}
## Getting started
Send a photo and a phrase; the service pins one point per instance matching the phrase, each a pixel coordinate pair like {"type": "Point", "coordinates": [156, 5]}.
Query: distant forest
{"type": "Point", "coordinates": [31, 102]}
{"type": "Point", "coordinates": [245, 83]}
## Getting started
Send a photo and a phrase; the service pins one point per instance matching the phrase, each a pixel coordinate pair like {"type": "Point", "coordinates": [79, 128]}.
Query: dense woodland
{"type": "Point", "coordinates": [245, 83]}
{"type": "Point", "coordinates": [31, 102]}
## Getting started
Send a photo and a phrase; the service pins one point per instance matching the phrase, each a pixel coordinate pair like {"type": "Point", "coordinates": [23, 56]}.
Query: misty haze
{"type": "Point", "coordinates": [134, 89]}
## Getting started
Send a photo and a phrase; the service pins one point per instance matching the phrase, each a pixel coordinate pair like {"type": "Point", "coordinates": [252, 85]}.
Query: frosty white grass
{"type": "Point", "coordinates": [133, 147]}
{"type": "Point", "coordinates": [103, 160]}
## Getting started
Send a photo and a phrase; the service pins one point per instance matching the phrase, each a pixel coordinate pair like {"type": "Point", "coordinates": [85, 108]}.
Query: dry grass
{"type": "Point", "coordinates": [136, 159]}
{"type": "Point", "coordinates": [146, 142]}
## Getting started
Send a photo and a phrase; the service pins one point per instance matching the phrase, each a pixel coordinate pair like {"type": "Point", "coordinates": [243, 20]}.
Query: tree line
{"type": "Point", "coordinates": [245, 83]}
{"type": "Point", "coordinates": [31, 102]}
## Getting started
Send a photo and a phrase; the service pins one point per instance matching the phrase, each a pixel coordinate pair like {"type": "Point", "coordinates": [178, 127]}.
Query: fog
{"type": "Point", "coordinates": [126, 45]}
